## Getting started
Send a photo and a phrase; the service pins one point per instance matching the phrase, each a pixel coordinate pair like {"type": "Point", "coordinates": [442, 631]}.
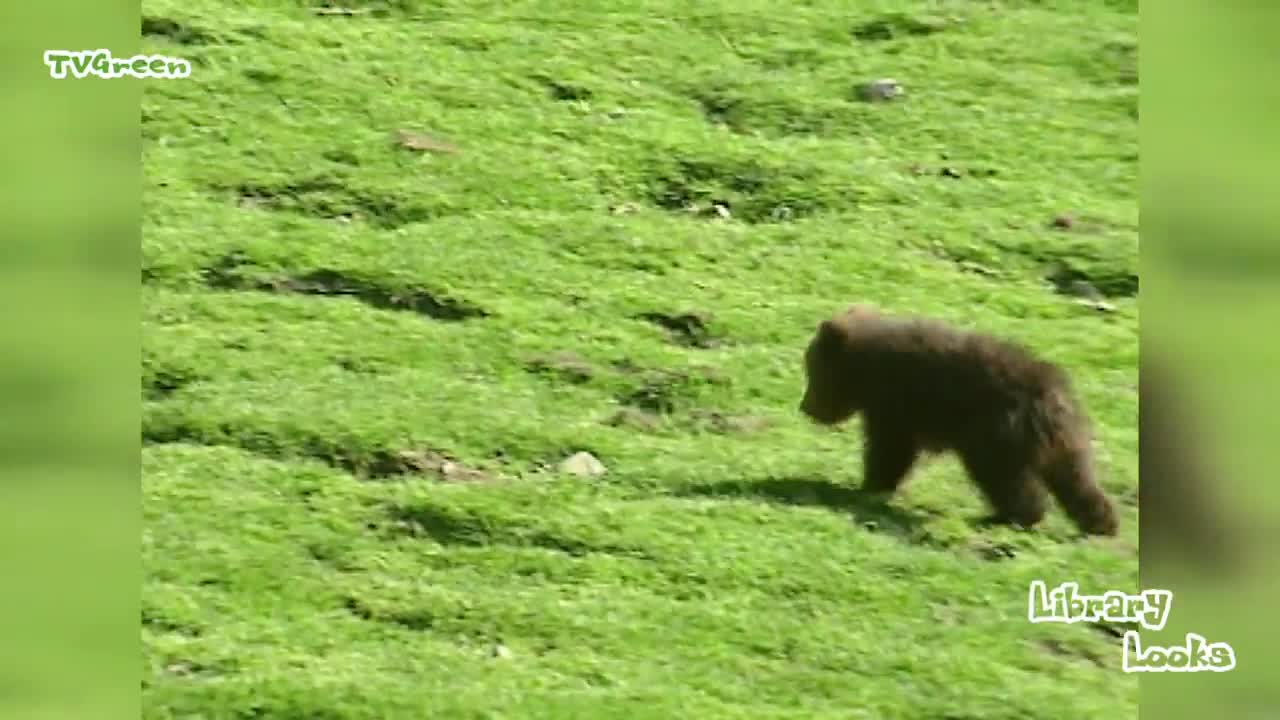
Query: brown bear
{"type": "Point", "coordinates": [921, 385]}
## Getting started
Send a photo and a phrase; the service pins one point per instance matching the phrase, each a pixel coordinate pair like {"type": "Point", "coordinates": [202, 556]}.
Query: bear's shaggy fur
{"type": "Point", "coordinates": [921, 385]}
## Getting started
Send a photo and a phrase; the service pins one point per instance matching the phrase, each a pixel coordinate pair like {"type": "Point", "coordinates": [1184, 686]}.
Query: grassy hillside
{"type": "Point", "coordinates": [612, 227]}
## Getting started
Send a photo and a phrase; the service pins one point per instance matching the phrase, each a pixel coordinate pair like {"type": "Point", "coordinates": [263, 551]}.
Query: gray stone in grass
{"type": "Point", "coordinates": [880, 90]}
{"type": "Point", "coordinates": [583, 464]}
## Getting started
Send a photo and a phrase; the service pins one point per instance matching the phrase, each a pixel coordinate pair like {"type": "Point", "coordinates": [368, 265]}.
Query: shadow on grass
{"type": "Point", "coordinates": [865, 508]}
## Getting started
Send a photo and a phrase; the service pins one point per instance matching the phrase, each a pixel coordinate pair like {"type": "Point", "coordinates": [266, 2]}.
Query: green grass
{"type": "Point", "coordinates": [300, 565]}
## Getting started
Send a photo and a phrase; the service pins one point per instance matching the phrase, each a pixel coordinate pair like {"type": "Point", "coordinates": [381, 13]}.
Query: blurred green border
{"type": "Point", "coordinates": [69, 368]}
{"type": "Point", "coordinates": [1210, 309]}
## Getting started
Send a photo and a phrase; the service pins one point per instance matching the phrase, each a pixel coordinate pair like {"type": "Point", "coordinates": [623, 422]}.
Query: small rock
{"type": "Point", "coordinates": [1073, 283]}
{"type": "Point", "coordinates": [339, 11]}
{"type": "Point", "coordinates": [882, 89]}
{"type": "Point", "coordinates": [1100, 305]}
{"type": "Point", "coordinates": [583, 464]}
{"type": "Point", "coordinates": [501, 651]}
{"type": "Point", "coordinates": [1082, 289]}
{"type": "Point", "coordinates": [421, 142]}
{"type": "Point", "coordinates": [721, 209]}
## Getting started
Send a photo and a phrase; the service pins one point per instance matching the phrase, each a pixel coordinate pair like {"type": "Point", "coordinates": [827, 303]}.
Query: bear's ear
{"type": "Point", "coordinates": [827, 330]}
